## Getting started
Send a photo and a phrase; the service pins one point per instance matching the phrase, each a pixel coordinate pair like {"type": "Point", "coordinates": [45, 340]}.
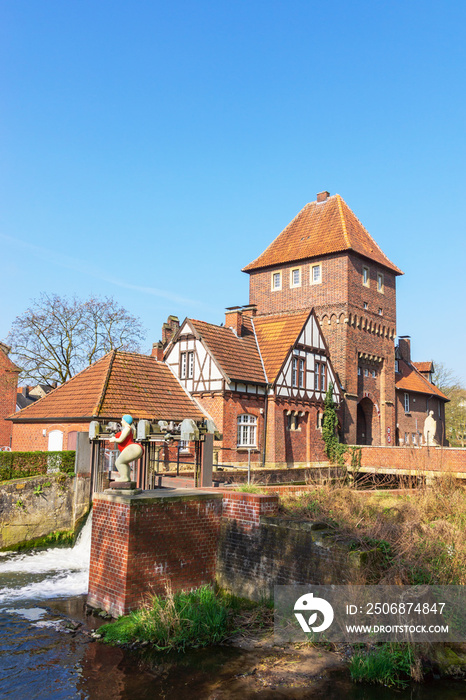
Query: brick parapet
{"type": "Point", "coordinates": [247, 508]}
{"type": "Point", "coordinates": [437, 459]}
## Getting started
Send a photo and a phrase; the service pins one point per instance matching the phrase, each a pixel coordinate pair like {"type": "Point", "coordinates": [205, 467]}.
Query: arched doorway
{"type": "Point", "coordinates": [364, 424]}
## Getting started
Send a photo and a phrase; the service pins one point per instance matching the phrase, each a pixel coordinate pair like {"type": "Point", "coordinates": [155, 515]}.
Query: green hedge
{"type": "Point", "coordinates": [16, 465]}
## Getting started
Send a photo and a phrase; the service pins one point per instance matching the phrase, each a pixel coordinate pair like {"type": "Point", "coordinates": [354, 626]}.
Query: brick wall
{"type": "Point", "coordinates": [446, 459]}
{"type": "Point", "coordinates": [140, 544]}
{"type": "Point", "coordinates": [8, 388]}
{"type": "Point", "coordinates": [247, 508]}
{"type": "Point", "coordinates": [355, 318]}
{"type": "Point", "coordinates": [29, 437]}
{"type": "Point", "coordinates": [287, 446]}
{"type": "Point", "coordinates": [257, 550]}
{"type": "Point", "coordinates": [412, 423]}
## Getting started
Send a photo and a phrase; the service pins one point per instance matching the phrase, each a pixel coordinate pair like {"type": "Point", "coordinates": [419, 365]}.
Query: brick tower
{"type": "Point", "coordinates": [326, 260]}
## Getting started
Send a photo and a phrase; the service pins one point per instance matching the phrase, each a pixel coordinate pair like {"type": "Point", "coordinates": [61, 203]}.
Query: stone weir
{"type": "Point", "coordinates": [145, 542]}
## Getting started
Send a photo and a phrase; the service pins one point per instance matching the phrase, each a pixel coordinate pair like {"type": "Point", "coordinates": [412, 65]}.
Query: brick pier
{"type": "Point", "coordinates": [141, 543]}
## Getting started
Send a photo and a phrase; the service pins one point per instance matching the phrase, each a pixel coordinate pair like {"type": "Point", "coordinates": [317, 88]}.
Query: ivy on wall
{"type": "Point", "coordinates": [17, 465]}
{"type": "Point", "coordinates": [333, 447]}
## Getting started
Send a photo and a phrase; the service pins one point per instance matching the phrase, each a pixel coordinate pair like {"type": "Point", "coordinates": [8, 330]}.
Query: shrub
{"type": "Point", "coordinates": [17, 465]}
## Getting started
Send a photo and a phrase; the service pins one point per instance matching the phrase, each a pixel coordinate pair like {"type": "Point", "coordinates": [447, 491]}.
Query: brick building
{"type": "Point", "coordinates": [8, 388]}
{"type": "Point", "coordinates": [415, 397]}
{"type": "Point", "coordinates": [324, 267]}
{"type": "Point", "coordinates": [262, 379]}
{"type": "Point", "coordinates": [326, 260]}
{"type": "Point", "coordinates": [119, 383]}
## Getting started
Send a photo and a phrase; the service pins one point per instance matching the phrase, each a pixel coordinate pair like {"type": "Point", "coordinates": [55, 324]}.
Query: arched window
{"type": "Point", "coordinates": [247, 425]}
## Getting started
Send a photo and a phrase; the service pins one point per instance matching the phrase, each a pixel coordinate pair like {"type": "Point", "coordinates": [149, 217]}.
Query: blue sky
{"type": "Point", "coordinates": [150, 150]}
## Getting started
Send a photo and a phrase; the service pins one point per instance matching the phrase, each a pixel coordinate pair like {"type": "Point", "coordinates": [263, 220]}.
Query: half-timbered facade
{"type": "Point", "coordinates": [263, 381]}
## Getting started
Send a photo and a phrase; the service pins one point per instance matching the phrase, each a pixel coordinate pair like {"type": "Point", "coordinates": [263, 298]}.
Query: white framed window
{"type": "Point", "coordinates": [190, 365]}
{"type": "Point", "coordinates": [365, 276]}
{"type": "Point", "coordinates": [406, 402]}
{"type": "Point", "coordinates": [380, 312]}
{"type": "Point", "coordinates": [406, 438]}
{"type": "Point", "coordinates": [316, 273]}
{"type": "Point", "coordinates": [374, 373]}
{"type": "Point", "coordinates": [183, 365]}
{"type": "Point", "coordinates": [380, 282]}
{"type": "Point", "coordinates": [295, 277]}
{"type": "Point", "coordinates": [247, 428]}
{"type": "Point", "coordinates": [365, 305]}
{"type": "Point", "coordinates": [366, 372]}
{"type": "Point", "coordinates": [276, 281]}
{"type": "Point", "coordinates": [414, 438]}
{"type": "Point", "coordinates": [320, 377]}
{"type": "Point", "coordinates": [298, 369]}
{"type": "Point", "coordinates": [301, 373]}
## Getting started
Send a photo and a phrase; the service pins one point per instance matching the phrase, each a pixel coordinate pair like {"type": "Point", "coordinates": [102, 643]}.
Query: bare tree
{"type": "Point", "coordinates": [56, 337]}
{"type": "Point", "coordinates": [455, 410]}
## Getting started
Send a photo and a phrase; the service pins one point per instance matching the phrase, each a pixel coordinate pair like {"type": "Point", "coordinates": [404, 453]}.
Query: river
{"type": "Point", "coordinates": [41, 656]}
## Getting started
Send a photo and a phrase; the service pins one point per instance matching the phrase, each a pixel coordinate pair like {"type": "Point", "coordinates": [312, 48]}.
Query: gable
{"type": "Point", "coordinates": [307, 371]}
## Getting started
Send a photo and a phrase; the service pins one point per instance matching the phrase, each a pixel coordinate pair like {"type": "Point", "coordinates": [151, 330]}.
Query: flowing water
{"type": "Point", "coordinates": [40, 657]}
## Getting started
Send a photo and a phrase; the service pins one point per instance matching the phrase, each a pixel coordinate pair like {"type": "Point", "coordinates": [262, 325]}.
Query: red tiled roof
{"type": "Point", "coordinates": [320, 229]}
{"type": "Point", "coordinates": [412, 380]}
{"type": "Point", "coordinates": [424, 366]}
{"type": "Point", "coordinates": [276, 335]}
{"type": "Point", "coordinates": [238, 357]}
{"type": "Point", "coordinates": [121, 382]}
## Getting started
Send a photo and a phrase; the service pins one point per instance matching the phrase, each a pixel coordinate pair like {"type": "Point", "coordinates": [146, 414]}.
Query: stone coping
{"type": "Point", "coordinates": [157, 496]}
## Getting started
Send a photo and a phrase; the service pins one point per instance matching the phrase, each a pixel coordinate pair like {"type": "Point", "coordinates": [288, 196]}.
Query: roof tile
{"type": "Point", "coordinates": [238, 357]}
{"type": "Point", "coordinates": [412, 380]}
{"type": "Point", "coordinates": [121, 382]}
{"type": "Point", "coordinates": [320, 229]}
{"type": "Point", "coordinates": [276, 335]}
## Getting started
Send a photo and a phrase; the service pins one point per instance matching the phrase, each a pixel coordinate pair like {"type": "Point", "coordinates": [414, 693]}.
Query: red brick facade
{"type": "Point", "coordinates": [8, 388]}
{"type": "Point", "coordinates": [410, 424]}
{"type": "Point", "coordinates": [358, 323]}
{"type": "Point", "coordinates": [35, 436]}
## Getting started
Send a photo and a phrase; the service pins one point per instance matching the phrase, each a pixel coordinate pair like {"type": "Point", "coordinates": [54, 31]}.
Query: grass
{"type": "Point", "coordinates": [248, 488]}
{"type": "Point", "coordinates": [184, 620]}
{"type": "Point", "coordinates": [387, 664]}
{"type": "Point", "coordinates": [420, 534]}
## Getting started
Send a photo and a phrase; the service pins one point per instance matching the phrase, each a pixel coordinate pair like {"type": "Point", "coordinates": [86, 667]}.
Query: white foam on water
{"type": "Point", "coordinates": [66, 571]}
{"type": "Point", "coordinates": [32, 614]}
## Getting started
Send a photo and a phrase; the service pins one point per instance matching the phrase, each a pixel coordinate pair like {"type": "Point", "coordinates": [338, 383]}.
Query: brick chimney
{"type": "Point", "coordinates": [157, 351]}
{"type": "Point", "coordinates": [169, 329]}
{"type": "Point", "coordinates": [234, 319]}
{"type": "Point", "coordinates": [323, 196]}
{"type": "Point", "coordinates": [404, 347]}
